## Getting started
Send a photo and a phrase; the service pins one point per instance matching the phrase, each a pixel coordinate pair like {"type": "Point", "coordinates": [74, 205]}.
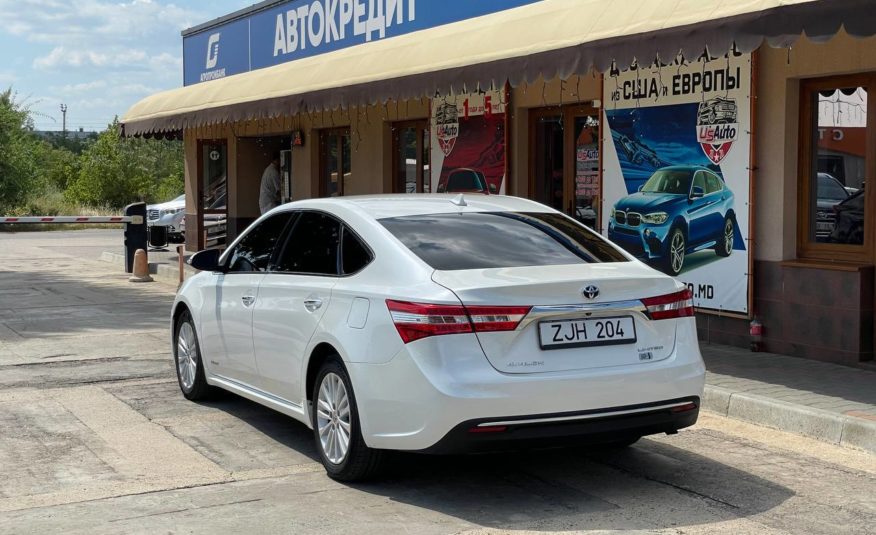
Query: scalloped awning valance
{"type": "Point", "coordinates": [550, 38]}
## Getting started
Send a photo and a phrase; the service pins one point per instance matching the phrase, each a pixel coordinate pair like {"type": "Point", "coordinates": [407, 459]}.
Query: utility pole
{"type": "Point", "coordinates": [64, 123]}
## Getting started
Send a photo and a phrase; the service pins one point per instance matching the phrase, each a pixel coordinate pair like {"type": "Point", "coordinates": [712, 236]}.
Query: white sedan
{"type": "Point", "coordinates": [439, 323]}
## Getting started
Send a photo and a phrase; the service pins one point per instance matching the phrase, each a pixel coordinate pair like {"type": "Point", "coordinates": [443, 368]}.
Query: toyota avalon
{"type": "Point", "coordinates": [439, 323]}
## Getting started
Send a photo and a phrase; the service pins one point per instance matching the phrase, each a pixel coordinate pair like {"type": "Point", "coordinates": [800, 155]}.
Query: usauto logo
{"type": "Point", "coordinates": [717, 127]}
{"type": "Point", "coordinates": [213, 59]}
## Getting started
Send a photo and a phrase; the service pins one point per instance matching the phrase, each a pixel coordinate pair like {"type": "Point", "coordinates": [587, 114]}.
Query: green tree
{"type": "Point", "coordinates": [117, 171]}
{"type": "Point", "coordinates": [19, 170]}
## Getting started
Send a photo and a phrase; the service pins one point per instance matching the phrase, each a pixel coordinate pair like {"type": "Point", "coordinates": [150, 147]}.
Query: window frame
{"type": "Point", "coordinates": [808, 249]}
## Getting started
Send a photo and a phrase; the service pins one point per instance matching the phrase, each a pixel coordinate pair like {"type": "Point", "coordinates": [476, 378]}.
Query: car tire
{"type": "Point", "coordinates": [332, 392]}
{"type": "Point", "coordinates": [187, 359]}
{"type": "Point", "coordinates": [676, 248]}
{"type": "Point", "coordinates": [724, 246]}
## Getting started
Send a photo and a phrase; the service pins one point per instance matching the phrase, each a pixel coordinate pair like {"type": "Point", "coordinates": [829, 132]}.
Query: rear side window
{"type": "Point", "coordinates": [254, 251]}
{"type": "Point", "coordinates": [355, 255]}
{"type": "Point", "coordinates": [312, 247]}
{"type": "Point", "coordinates": [499, 239]}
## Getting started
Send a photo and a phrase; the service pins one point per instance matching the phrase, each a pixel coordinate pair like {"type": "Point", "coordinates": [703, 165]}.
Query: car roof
{"type": "Point", "coordinates": [406, 204]}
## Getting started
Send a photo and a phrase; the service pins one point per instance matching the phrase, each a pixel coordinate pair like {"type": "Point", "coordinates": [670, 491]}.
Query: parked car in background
{"type": "Point", "coordinates": [829, 193]}
{"type": "Point", "coordinates": [464, 180]}
{"type": "Point", "coordinates": [432, 325]}
{"type": "Point", "coordinates": [169, 214]}
{"type": "Point", "coordinates": [679, 210]}
{"type": "Point", "coordinates": [849, 220]}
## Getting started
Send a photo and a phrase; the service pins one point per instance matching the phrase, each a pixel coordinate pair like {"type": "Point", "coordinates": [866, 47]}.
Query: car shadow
{"type": "Point", "coordinates": [651, 483]}
{"type": "Point", "coordinates": [563, 488]}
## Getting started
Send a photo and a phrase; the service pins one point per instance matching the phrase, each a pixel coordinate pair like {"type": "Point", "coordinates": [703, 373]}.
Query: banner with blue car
{"type": "Point", "coordinates": [676, 173]}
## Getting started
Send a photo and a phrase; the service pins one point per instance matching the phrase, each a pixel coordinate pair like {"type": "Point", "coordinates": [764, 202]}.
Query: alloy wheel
{"type": "Point", "coordinates": [676, 252]}
{"type": "Point", "coordinates": [333, 418]}
{"type": "Point", "coordinates": [186, 355]}
{"type": "Point", "coordinates": [728, 237]}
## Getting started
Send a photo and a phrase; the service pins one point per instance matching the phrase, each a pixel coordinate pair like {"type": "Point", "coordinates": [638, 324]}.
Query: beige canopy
{"type": "Point", "coordinates": [548, 38]}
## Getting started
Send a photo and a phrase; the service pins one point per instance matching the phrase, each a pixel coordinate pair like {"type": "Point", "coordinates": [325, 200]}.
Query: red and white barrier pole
{"type": "Point", "coordinates": [136, 220]}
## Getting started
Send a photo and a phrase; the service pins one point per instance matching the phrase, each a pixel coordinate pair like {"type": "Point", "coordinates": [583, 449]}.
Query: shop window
{"type": "Point", "coordinates": [335, 171]}
{"type": "Point", "coordinates": [410, 150]}
{"type": "Point", "coordinates": [836, 158]}
{"type": "Point", "coordinates": [214, 166]}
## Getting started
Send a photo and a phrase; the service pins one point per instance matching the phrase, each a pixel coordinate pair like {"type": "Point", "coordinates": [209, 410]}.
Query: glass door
{"type": "Point", "coordinates": [213, 193]}
{"type": "Point", "coordinates": [564, 161]}
{"type": "Point", "coordinates": [410, 149]}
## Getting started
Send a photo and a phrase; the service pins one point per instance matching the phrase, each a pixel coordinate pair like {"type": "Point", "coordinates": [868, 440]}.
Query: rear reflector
{"type": "Point", "coordinates": [420, 320]}
{"type": "Point", "coordinates": [674, 305]}
{"type": "Point", "coordinates": [684, 408]}
{"type": "Point", "coordinates": [488, 429]}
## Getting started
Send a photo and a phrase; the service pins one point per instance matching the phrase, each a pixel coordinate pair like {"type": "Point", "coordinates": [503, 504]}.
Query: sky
{"type": "Point", "coordinates": [96, 56]}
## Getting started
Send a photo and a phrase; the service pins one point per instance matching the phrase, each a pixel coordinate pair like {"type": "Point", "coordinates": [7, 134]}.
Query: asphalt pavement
{"type": "Point", "coordinates": [97, 439]}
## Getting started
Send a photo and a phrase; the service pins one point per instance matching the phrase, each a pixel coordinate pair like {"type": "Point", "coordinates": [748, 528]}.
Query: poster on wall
{"type": "Point", "coordinates": [468, 143]}
{"type": "Point", "coordinates": [676, 174]}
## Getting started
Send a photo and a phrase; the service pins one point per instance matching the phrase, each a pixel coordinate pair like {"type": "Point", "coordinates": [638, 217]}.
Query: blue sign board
{"type": "Point", "coordinates": [301, 28]}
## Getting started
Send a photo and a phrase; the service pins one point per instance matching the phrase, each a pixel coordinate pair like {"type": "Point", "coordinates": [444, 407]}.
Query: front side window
{"type": "Point", "coordinates": [699, 182]}
{"type": "Point", "coordinates": [256, 248]}
{"type": "Point", "coordinates": [499, 239]}
{"type": "Point", "coordinates": [312, 246]}
{"type": "Point", "coordinates": [835, 163]}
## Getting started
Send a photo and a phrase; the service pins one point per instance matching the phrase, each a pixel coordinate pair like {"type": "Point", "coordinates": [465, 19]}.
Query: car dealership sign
{"type": "Point", "coordinates": [676, 174]}
{"type": "Point", "coordinates": [296, 29]}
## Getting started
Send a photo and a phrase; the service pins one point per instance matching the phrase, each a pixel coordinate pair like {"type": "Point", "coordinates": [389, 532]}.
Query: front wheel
{"type": "Point", "coordinates": [189, 364]}
{"type": "Point", "coordinates": [336, 428]}
{"type": "Point", "coordinates": [724, 247]}
{"type": "Point", "coordinates": [674, 260]}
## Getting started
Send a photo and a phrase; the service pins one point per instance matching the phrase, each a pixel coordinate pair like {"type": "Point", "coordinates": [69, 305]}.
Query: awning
{"type": "Point", "coordinates": [549, 38]}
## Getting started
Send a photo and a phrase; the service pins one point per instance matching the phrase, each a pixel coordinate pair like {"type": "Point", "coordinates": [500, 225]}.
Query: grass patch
{"type": "Point", "coordinates": [55, 204]}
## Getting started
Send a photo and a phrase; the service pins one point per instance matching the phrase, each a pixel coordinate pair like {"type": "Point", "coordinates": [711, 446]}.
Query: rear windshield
{"type": "Point", "coordinates": [499, 239]}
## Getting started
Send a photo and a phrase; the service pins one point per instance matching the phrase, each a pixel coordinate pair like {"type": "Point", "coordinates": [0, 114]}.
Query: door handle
{"type": "Point", "coordinates": [248, 300]}
{"type": "Point", "coordinates": [312, 303]}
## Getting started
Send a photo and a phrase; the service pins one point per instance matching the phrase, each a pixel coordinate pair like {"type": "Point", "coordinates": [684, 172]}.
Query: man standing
{"type": "Point", "coordinates": [269, 193]}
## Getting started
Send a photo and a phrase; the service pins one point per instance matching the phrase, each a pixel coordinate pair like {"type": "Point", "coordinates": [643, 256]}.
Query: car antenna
{"type": "Point", "coordinates": [459, 200]}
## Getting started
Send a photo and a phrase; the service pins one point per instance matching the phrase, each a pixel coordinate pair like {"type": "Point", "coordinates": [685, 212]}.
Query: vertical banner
{"type": "Point", "coordinates": [676, 173]}
{"type": "Point", "coordinates": [468, 143]}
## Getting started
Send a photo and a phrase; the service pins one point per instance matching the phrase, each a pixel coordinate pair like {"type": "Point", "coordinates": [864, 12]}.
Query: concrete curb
{"type": "Point", "coordinates": [160, 272]}
{"type": "Point", "coordinates": [803, 420]}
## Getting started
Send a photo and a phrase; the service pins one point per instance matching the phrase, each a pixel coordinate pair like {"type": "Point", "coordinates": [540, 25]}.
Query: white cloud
{"type": "Point", "coordinates": [61, 56]}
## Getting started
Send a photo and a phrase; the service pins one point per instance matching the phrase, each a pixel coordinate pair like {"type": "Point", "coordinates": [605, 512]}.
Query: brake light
{"type": "Point", "coordinates": [674, 305]}
{"type": "Point", "coordinates": [420, 320]}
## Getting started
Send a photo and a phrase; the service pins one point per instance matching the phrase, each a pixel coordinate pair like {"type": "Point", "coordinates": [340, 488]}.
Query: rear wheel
{"type": "Point", "coordinates": [724, 247]}
{"type": "Point", "coordinates": [336, 428]}
{"type": "Point", "coordinates": [189, 365]}
{"type": "Point", "coordinates": [674, 259]}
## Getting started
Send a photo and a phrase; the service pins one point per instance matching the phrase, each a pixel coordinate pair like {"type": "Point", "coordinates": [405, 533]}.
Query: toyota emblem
{"type": "Point", "coordinates": [590, 292]}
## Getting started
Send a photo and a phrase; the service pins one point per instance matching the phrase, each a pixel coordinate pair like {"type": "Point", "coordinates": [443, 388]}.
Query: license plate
{"type": "Point", "coordinates": [823, 227]}
{"type": "Point", "coordinates": [586, 332]}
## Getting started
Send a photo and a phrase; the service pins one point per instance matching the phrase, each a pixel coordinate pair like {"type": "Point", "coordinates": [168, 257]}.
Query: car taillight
{"type": "Point", "coordinates": [674, 305]}
{"type": "Point", "coordinates": [420, 320]}
{"type": "Point", "coordinates": [492, 319]}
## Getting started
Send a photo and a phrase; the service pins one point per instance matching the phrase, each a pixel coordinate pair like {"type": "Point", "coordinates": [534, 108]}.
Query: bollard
{"type": "Point", "coordinates": [135, 233]}
{"type": "Point", "coordinates": [141, 267]}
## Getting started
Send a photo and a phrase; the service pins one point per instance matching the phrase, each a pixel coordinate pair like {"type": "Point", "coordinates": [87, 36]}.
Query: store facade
{"type": "Point", "coordinates": [774, 144]}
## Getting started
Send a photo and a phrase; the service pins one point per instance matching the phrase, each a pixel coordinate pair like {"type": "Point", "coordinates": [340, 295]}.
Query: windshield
{"type": "Point", "coordinates": [181, 198]}
{"type": "Point", "coordinates": [668, 181]}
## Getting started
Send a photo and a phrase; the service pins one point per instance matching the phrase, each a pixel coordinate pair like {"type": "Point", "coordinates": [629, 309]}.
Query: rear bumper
{"type": "Point", "coordinates": [582, 427]}
{"type": "Point", "coordinates": [438, 385]}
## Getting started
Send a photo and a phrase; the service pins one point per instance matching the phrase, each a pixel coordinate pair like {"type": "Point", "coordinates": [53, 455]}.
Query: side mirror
{"type": "Point", "coordinates": [206, 260]}
{"type": "Point", "coordinates": [697, 192]}
{"type": "Point", "coordinates": [493, 188]}
{"type": "Point", "coordinates": [640, 187]}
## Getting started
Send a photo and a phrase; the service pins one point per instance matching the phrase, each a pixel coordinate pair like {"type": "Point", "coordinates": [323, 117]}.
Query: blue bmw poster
{"type": "Point", "coordinates": [676, 173]}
